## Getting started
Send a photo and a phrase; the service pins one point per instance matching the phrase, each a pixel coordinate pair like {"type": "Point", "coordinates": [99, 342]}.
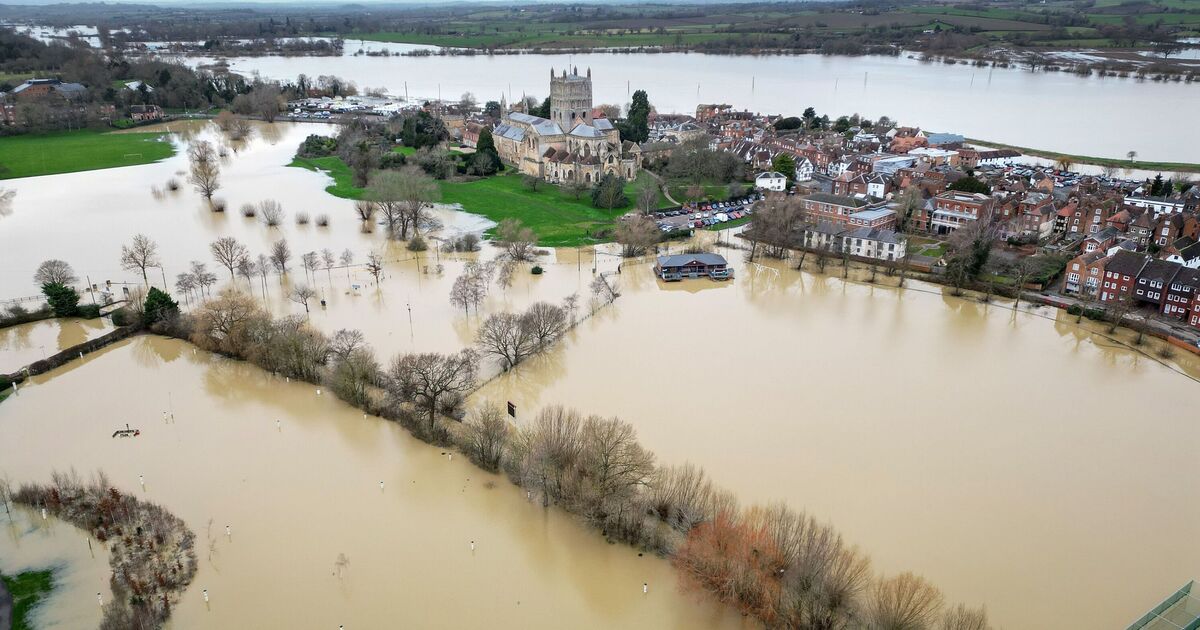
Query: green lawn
{"type": "Point", "coordinates": [558, 220]}
{"type": "Point", "coordinates": [732, 223]}
{"type": "Point", "coordinates": [71, 151]}
{"type": "Point", "coordinates": [28, 589]}
{"type": "Point", "coordinates": [343, 178]}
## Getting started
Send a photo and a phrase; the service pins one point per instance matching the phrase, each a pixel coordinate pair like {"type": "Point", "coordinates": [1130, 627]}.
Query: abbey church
{"type": "Point", "coordinates": [570, 145]}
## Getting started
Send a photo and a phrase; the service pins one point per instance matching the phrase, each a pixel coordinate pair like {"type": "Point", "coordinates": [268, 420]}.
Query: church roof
{"type": "Point", "coordinates": [603, 124]}
{"type": "Point", "coordinates": [540, 125]}
{"type": "Point", "coordinates": [511, 132]}
{"type": "Point", "coordinates": [583, 130]}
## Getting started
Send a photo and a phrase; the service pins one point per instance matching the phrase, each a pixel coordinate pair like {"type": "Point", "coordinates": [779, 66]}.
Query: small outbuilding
{"type": "Point", "coordinates": [679, 266]}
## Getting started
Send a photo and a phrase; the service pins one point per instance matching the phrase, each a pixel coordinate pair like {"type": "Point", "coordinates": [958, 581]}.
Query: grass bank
{"type": "Point", "coordinates": [28, 589]}
{"type": "Point", "coordinates": [1122, 163]}
{"type": "Point", "coordinates": [83, 150]}
{"type": "Point", "coordinates": [343, 179]}
{"type": "Point", "coordinates": [556, 219]}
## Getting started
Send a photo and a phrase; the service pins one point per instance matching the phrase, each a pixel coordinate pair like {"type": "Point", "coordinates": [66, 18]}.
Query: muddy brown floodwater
{"type": "Point", "coordinates": [23, 344]}
{"type": "Point", "coordinates": [1016, 461]}
{"type": "Point", "coordinates": [300, 497]}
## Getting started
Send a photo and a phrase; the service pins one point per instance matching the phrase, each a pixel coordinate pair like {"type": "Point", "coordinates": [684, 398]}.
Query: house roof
{"type": "Point", "coordinates": [836, 200]}
{"type": "Point", "coordinates": [871, 215]}
{"type": "Point", "coordinates": [1126, 263]}
{"type": "Point", "coordinates": [682, 260]}
{"type": "Point", "coordinates": [772, 175]}
{"type": "Point", "coordinates": [1159, 270]}
{"type": "Point", "coordinates": [881, 235]}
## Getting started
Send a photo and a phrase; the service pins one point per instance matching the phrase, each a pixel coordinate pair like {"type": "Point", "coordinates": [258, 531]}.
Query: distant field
{"type": "Point", "coordinates": [754, 26]}
{"type": "Point", "coordinates": [71, 151]}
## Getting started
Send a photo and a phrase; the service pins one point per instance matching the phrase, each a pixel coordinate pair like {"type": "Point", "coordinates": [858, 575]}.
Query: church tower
{"type": "Point", "coordinates": [571, 98]}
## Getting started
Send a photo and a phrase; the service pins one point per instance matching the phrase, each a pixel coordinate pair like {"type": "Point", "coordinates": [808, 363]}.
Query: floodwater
{"type": "Point", "coordinates": [1014, 459]}
{"type": "Point", "coordinates": [80, 572]}
{"type": "Point", "coordinates": [25, 343]}
{"type": "Point", "coordinates": [302, 496]}
{"type": "Point", "coordinates": [995, 104]}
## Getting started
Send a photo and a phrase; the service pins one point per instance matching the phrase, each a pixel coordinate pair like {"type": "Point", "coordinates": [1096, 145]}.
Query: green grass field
{"type": "Point", "coordinates": [558, 220]}
{"type": "Point", "coordinates": [28, 589]}
{"type": "Point", "coordinates": [72, 151]}
{"type": "Point", "coordinates": [343, 178]}
{"type": "Point", "coordinates": [1119, 163]}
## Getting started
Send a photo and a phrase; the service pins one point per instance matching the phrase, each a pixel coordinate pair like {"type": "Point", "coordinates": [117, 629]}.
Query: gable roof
{"type": "Point", "coordinates": [1126, 263]}
{"type": "Point", "coordinates": [682, 260]}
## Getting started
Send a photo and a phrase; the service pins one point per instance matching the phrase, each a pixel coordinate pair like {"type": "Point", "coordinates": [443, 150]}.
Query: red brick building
{"type": "Point", "coordinates": [1085, 274]}
{"type": "Point", "coordinates": [1120, 274]}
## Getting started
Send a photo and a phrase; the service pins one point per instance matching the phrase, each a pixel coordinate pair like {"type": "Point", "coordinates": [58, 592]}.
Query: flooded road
{"type": "Point", "coordinates": [23, 344]}
{"type": "Point", "coordinates": [1015, 461]}
{"type": "Point", "coordinates": [303, 504]}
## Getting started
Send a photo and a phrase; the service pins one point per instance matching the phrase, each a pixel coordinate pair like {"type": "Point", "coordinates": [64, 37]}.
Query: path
{"type": "Point", "coordinates": [666, 191]}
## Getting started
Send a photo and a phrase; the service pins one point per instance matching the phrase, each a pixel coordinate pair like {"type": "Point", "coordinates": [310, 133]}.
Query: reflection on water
{"type": "Point", "coordinates": [301, 498]}
{"type": "Point", "coordinates": [1016, 459]}
{"type": "Point", "coordinates": [23, 344]}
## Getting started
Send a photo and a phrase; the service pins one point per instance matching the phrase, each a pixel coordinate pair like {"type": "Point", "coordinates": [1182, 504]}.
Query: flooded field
{"type": "Point", "coordinates": [23, 344]}
{"type": "Point", "coordinates": [29, 543]}
{"type": "Point", "coordinates": [1014, 460]}
{"type": "Point", "coordinates": [984, 103]}
{"type": "Point", "coordinates": [302, 496]}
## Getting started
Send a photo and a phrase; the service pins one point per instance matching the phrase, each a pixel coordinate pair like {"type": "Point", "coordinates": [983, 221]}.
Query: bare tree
{"type": "Point", "coordinates": [776, 222]}
{"type": "Point", "coordinates": [140, 255]}
{"type": "Point", "coordinates": [328, 261]}
{"type": "Point", "coordinates": [602, 290]}
{"type": "Point", "coordinates": [570, 306]}
{"type": "Point", "coordinates": [962, 618]}
{"type": "Point", "coordinates": [375, 265]}
{"type": "Point", "coordinates": [902, 602]}
{"type": "Point", "coordinates": [55, 271]}
{"type": "Point", "coordinates": [310, 261]}
{"type": "Point", "coordinates": [636, 234]}
{"type": "Point", "coordinates": [430, 379]}
{"type": "Point", "coordinates": [228, 251]}
{"type": "Point", "coordinates": [263, 267]}
{"type": "Point", "coordinates": [247, 268]}
{"type": "Point", "coordinates": [486, 436]}
{"type": "Point", "coordinates": [1118, 311]}
{"type": "Point", "coordinates": [546, 321]}
{"type": "Point", "coordinates": [301, 294]}
{"type": "Point", "coordinates": [185, 283]}
{"type": "Point", "coordinates": [281, 255]}
{"type": "Point", "coordinates": [402, 198]}
{"type": "Point", "coordinates": [271, 212]}
{"type": "Point", "coordinates": [346, 260]}
{"type": "Point", "coordinates": [346, 341]}
{"type": "Point", "coordinates": [516, 239]}
{"type": "Point", "coordinates": [202, 276]}
{"type": "Point", "coordinates": [508, 337]}
{"type": "Point", "coordinates": [1021, 274]}
{"type": "Point", "coordinates": [467, 291]}
{"type": "Point", "coordinates": [205, 170]}
{"type": "Point", "coordinates": [647, 199]}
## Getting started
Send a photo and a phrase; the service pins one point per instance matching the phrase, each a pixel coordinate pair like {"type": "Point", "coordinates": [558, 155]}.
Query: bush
{"type": "Point", "coordinates": [1096, 314]}
{"type": "Point", "coordinates": [88, 311]}
{"type": "Point", "coordinates": [63, 300]}
{"type": "Point", "coordinates": [537, 270]}
{"type": "Point", "coordinates": [122, 317]}
{"type": "Point", "coordinates": [417, 244]}
{"type": "Point", "coordinates": [317, 146]}
{"type": "Point", "coordinates": [302, 218]}
{"type": "Point", "coordinates": [323, 220]}
{"type": "Point", "coordinates": [159, 306]}
{"type": "Point", "coordinates": [1074, 309]}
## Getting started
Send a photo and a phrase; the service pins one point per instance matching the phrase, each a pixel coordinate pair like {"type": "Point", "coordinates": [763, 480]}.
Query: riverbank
{"type": "Point", "coordinates": [32, 155]}
{"type": "Point", "coordinates": [20, 595]}
{"type": "Point", "coordinates": [1118, 163]}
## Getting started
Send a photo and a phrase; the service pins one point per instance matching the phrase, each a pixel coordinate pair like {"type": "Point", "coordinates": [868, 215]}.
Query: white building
{"type": "Point", "coordinates": [878, 243]}
{"type": "Point", "coordinates": [1157, 205]}
{"type": "Point", "coordinates": [773, 181]}
{"type": "Point", "coordinates": [804, 170]}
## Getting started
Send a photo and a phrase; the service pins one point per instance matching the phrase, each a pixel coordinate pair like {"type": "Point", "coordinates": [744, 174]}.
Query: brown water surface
{"type": "Point", "coordinates": [300, 496]}
{"type": "Point", "coordinates": [1014, 458]}
{"type": "Point", "coordinates": [23, 344]}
